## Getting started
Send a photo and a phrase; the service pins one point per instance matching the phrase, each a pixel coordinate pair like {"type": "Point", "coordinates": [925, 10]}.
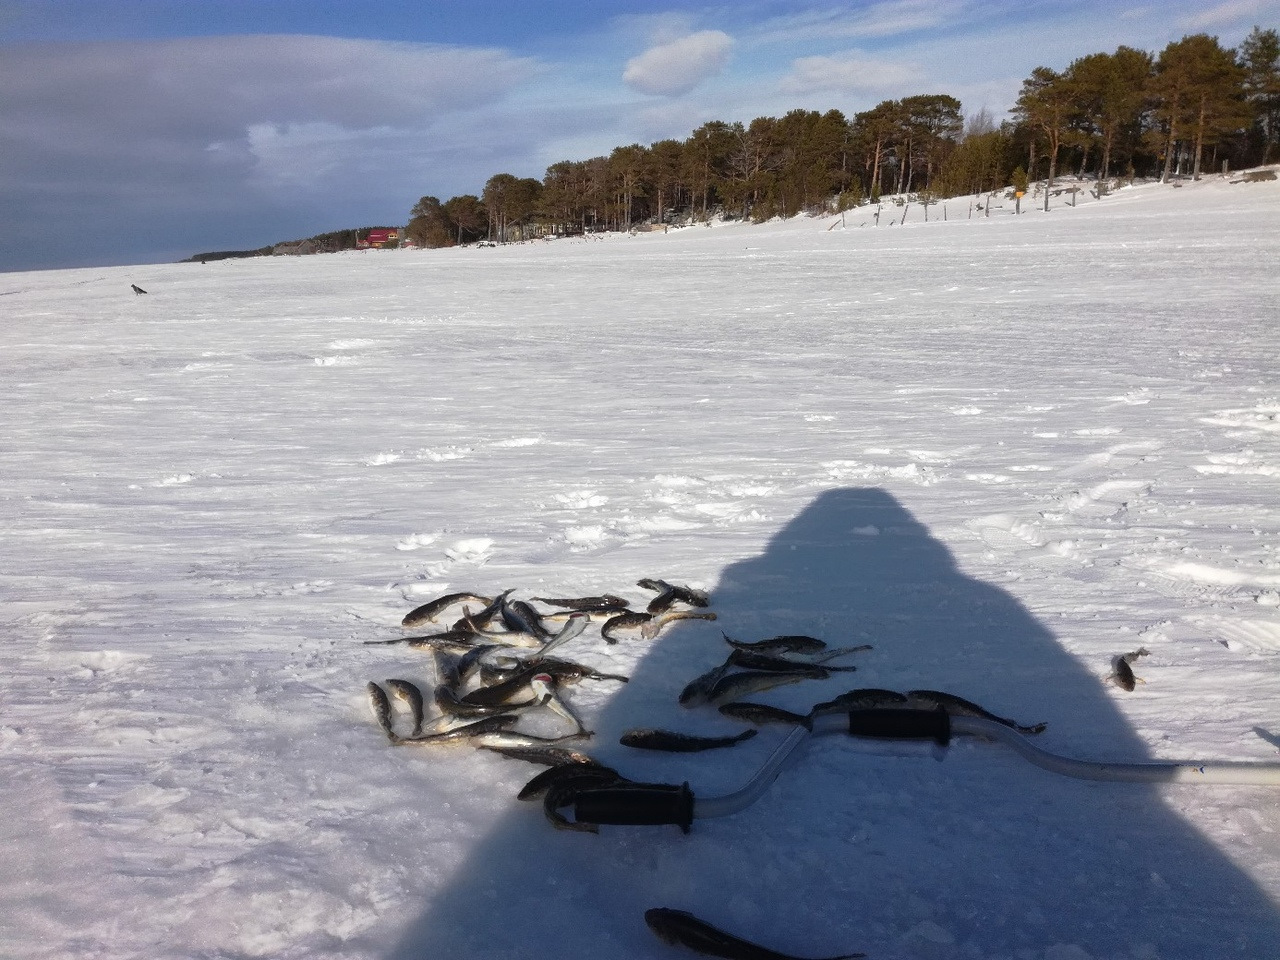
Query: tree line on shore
{"type": "Point", "coordinates": [1194, 107]}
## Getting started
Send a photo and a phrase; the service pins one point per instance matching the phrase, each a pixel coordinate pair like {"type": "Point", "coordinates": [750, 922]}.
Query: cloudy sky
{"type": "Point", "coordinates": [136, 131]}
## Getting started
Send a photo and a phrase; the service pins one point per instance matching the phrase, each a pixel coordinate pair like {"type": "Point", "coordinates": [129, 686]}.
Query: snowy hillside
{"type": "Point", "coordinates": [1001, 450]}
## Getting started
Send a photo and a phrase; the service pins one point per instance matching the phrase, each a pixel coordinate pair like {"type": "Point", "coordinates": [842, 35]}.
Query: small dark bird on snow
{"type": "Point", "coordinates": [137, 289]}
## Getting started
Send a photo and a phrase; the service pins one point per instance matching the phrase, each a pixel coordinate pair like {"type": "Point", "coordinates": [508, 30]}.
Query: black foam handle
{"type": "Point", "coordinates": [641, 804]}
{"type": "Point", "coordinates": [893, 723]}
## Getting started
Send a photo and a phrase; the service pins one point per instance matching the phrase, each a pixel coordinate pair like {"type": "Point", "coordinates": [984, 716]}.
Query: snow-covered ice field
{"type": "Point", "coordinates": [1002, 450]}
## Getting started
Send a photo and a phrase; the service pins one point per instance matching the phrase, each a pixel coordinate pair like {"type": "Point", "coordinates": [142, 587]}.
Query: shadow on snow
{"type": "Point", "coordinates": [878, 849]}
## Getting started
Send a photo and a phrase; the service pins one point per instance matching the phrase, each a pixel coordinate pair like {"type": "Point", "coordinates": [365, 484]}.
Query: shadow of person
{"type": "Point", "coordinates": [878, 849]}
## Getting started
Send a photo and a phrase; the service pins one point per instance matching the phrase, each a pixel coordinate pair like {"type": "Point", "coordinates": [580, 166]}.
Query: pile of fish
{"type": "Point", "coordinates": [494, 667]}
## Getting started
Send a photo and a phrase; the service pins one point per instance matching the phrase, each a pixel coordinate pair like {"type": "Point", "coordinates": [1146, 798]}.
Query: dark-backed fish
{"type": "Point", "coordinates": [428, 612]}
{"type": "Point", "coordinates": [630, 620]}
{"type": "Point", "coordinates": [790, 643]}
{"type": "Point", "coordinates": [1122, 674]}
{"type": "Point", "coordinates": [381, 707]}
{"type": "Point", "coordinates": [960, 707]}
{"type": "Point", "coordinates": [447, 662]}
{"type": "Point", "coordinates": [450, 702]}
{"type": "Point", "coordinates": [598, 604]}
{"type": "Point", "coordinates": [541, 754]}
{"type": "Point", "coordinates": [570, 671]}
{"type": "Point", "coordinates": [671, 593]}
{"type": "Point", "coordinates": [473, 661]}
{"type": "Point", "coordinates": [735, 686]}
{"type": "Point", "coordinates": [410, 694]}
{"type": "Point", "coordinates": [520, 618]}
{"type": "Point", "coordinates": [573, 769]}
{"type": "Point", "coordinates": [506, 691]}
{"type": "Point", "coordinates": [698, 689]}
{"type": "Point", "coordinates": [865, 698]}
{"type": "Point", "coordinates": [673, 742]}
{"type": "Point", "coordinates": [760, 713]}
{"type": "Point", "coordinates": [449, 639]}
{"type": "Point", "coordinates": [564, 791]}
{"type": "Point", "coordinates": [753, 660]}
{"type": "Point", "coordinates": [681, 928]}
{"type": "Point", "coordinates": [487, 614]}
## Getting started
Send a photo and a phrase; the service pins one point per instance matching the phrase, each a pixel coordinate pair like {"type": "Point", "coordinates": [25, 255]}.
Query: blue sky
{"type": "Point", "coordinates": [147, 130]}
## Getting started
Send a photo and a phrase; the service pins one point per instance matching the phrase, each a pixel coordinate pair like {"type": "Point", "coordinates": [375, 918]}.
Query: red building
{"type": "Point", "coordinates": [379, 238]}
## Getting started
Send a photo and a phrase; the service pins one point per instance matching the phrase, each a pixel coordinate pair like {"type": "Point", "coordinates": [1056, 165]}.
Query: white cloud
{"type": "Point", "coordinates": [888, 19]}
{"type": "Point", "coordinates": [673, 68]}
{"type": "Point", "coordinates": [851, 72]}
{"type": "Point", "coordinates": [1224, 14]}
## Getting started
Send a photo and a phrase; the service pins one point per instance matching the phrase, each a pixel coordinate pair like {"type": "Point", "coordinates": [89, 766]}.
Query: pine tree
{"type": "Point", "coordinates": [1110, 91]}
{"type": "Point", "coordinates": [1200, 92]}
{"type": "Point", "coordinates": [1047, 104]}
{"type": "Point", "coordinates": [1260, 57]}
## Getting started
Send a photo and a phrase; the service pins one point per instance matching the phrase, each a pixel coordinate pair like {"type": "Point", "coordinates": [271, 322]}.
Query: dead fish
{"type": "Point", "coordinates": [511, 739]}
{"type": "Point", "coordinates": [1122, 674]}
{"type": "Point", "coordinates": [759, 713]}
{"type": "Point", "coordinates": [623, 621]}
{"type": "Point", "coordinates": [520, 618]}
{"type": "Point", "coordinates": [563, 671]}
{"type": "Point", "coordinates": [505, 691]}
{"type": "Point", "coordinates": [478, 621]}
{"type": "Point", "coordinates": [454, 639]}
{"type": "Point", "coordinates": [573, 769]}
{"type": "Point", "coordinates": [751, 660]}
{"type": "Point", "coordinates": [670, 594]}
{"type": "Point", "coordinates": [410, 694]}
{"type": "Point", "coordinates": [451, 703]}
{"type": "Point", "coordinates": [960, 707]}
{"type": "Point", "coordinates": [790, 643]}
{"type": "Point", "coordinates": [447, 662]}
{"type": "Point", "coordinates": [565, 791]}
{"type": "Point", "coordinates": [598, 604]}
{"type": "Point", "coordinates": [381, 708]}
{"type": "Point", "coordinates": [651, 629]}
{"type": "Point", "coordinates": [738, 685]}
{"type": "Point", "coordinates": [473, 660]}
{"type": "Point", "coordinates": [537, 753]}
{"type": "Point", "coordinates": [569, 671]}
{"type": "Point", "coordinates": [557, 705]}
{"type": "Point", "coordinates": [698, 689]}
{"type": "Point", "coordinates": [672, 742]}
{"type": "Point", "coordinates": [865, 698]}
{"type": "Point", "coordinates": [681, 928]}
{"type": "Point", "coordinates": [572, 629]}
{"type": "Point", "coordinates": [467, 731]}
{"type": "Point", "coordinates": [428, 612]}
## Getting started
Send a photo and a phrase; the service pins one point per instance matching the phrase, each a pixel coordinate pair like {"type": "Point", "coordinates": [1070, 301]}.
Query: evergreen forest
{"type": "Point", "coordinates": [1196, 107]}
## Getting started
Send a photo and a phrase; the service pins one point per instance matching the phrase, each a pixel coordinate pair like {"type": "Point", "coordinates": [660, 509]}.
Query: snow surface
{"type": "Point", "coordinates": [1002, 450]}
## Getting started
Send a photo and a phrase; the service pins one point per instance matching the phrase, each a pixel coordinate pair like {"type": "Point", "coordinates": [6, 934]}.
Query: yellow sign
{"type": "Point", "coordinates": [1019, 193]}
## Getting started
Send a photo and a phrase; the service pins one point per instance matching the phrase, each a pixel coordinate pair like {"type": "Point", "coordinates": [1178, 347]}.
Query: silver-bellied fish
{"type": "Point", "coordinates": [381, 707]}
{"type": "Point", "coordinates": [760, 713]}
{"type": "Point", "coordinates": [960, 707]}
{"type": "Point", "coordinates": [411, 695]}
{"type": "Point", "coordinates": [428, 612]}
